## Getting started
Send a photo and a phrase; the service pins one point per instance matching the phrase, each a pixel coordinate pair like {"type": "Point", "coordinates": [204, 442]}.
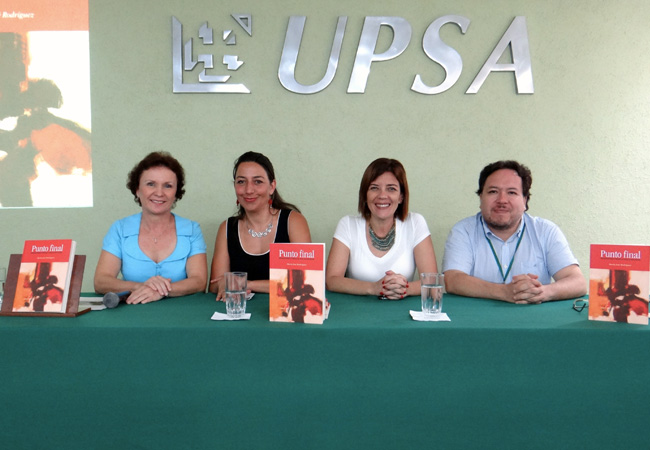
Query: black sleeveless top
{"type": "Point", "coordinates": [257, 266]}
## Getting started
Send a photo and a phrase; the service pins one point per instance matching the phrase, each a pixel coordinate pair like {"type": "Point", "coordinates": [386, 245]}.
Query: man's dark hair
{"type": "Point", "coordinates": [522, 171]}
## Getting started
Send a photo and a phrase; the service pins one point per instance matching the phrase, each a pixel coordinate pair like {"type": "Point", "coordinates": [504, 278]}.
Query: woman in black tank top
{"type": "Point", "coordinates": [262, 218]}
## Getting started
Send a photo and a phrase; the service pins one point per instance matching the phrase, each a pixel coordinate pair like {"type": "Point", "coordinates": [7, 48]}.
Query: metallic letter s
{"type": "Point", "coordinates": [438, 51]}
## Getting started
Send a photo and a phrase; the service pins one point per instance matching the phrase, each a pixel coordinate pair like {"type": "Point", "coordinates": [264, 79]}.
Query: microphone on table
{"type": "Point", "coordinates": [112, 299]}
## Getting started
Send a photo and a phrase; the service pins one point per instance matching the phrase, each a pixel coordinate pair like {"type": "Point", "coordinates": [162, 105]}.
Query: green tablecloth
{"type": "Point", "coordinates": [165, 376]}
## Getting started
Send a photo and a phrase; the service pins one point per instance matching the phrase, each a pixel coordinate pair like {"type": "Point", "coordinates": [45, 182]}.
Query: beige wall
{"type": "Point", "coordinates": [583, 133]}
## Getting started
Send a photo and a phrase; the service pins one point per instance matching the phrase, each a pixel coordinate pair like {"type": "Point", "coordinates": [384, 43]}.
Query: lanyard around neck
{"type": "Point", "coordinates": [496, 258]}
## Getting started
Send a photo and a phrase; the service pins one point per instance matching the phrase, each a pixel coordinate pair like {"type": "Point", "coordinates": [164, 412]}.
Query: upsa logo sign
{"type": "Point", "coordinates": [515, 38]}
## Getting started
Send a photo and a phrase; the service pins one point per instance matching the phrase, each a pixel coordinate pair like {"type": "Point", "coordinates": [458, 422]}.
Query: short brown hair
{"type": "Point", "coordinates": [156, 159]}
{"type": "Point", "coordinates": [377, 168]}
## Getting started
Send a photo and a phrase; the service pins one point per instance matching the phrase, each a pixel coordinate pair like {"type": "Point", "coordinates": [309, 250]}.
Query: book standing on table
{"type": "Point", "coordinates": [619, 283]}
{"type": "Point", "coordinates": [297, 283]}
{"type": "Point", "coordinates": [43, 283]}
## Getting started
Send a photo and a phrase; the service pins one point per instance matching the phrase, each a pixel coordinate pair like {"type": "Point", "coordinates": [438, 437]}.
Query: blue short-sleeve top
{"type": "Point", "coordinates": [122, 241]}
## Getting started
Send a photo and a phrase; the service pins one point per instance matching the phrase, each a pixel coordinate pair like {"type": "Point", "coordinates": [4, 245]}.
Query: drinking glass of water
{"type": "Point", "coordinates": [236, 283]}
{"type": "Point", "coordinates": [432, 288]}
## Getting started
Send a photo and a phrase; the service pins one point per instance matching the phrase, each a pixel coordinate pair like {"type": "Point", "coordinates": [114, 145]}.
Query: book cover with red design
{"type": "Point", "coordinates": [297, 283]}
{"type": "Point", "coordinates": [44, 277]}
{"type": "Point", "coordinates": [619, 283]}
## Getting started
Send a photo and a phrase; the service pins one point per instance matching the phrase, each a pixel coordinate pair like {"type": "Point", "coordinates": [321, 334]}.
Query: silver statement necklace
{"type": "Point", "coordinates": [261, 234]}
{"type": "Point", "coordinates": [382, 244]}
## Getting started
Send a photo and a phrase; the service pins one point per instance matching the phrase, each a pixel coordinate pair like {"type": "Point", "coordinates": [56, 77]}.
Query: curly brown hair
{"type": "Point", "coordinates": [156, 159]}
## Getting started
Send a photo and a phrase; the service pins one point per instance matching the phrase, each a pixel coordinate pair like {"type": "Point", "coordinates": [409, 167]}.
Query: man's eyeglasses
{"type": "Point", "coordinates": [579, 304]}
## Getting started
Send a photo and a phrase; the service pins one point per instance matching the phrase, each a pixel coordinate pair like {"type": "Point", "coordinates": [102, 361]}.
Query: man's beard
{"type": "Point", "coordinates": [501, 226]}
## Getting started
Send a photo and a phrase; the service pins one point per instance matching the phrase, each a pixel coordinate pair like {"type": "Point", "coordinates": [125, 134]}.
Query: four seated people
{"type": "Point", "coordinates": [500, 253]}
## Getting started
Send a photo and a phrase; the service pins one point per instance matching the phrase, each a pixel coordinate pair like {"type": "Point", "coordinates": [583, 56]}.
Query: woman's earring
{"type": "Point", "coordinates": [237, 202]}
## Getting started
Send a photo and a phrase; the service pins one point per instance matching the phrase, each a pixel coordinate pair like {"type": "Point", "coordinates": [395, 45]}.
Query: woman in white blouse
{"type": "Point", "coordinates": [377, 252]}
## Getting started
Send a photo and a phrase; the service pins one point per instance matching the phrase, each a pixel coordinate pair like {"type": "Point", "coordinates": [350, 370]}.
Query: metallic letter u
{"type": "Point", "coordinates": [287, 69]}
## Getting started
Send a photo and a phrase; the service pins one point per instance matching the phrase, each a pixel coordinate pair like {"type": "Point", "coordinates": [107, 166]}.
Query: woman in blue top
{"type": "Point", "coordinates": [158, 253]}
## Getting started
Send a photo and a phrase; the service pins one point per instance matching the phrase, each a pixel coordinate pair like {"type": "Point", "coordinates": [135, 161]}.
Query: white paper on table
{"type": "Point", "coordinates": [223, 316]}
{"type": "Point", "coordinates": [94, 303]}
{"type": "Point", "coordinates": [423, 317]}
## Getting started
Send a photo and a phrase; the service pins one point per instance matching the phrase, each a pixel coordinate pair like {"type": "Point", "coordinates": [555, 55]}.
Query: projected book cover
{"type": "Point", "coordinates": [45, 145]}
{"type": "Point", "coordinates": [619, 283]}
